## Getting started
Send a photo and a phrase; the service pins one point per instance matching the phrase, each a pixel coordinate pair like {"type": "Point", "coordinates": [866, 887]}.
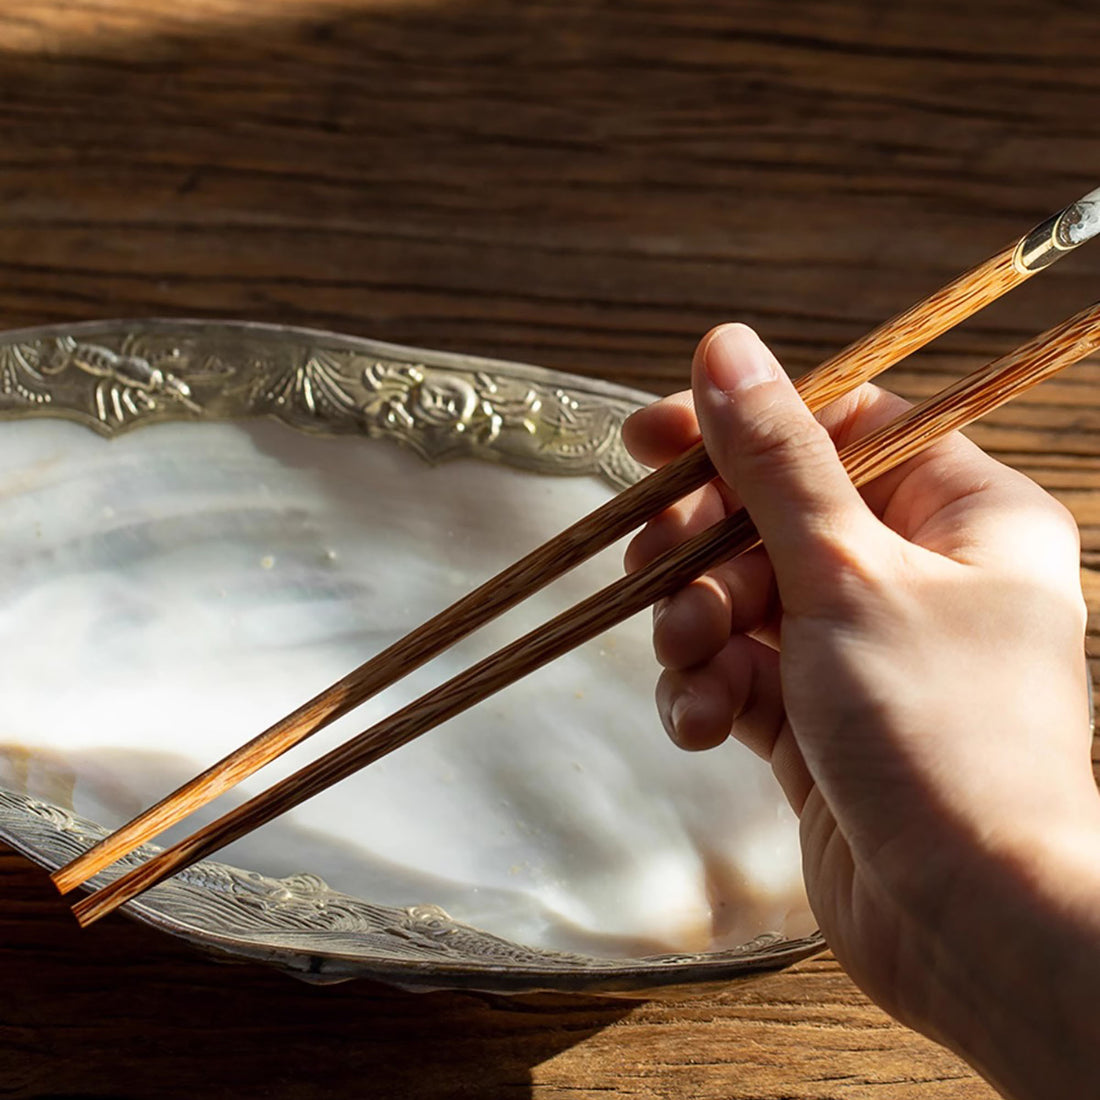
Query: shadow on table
{"type": "Point", "coordinates": [121, 1011]}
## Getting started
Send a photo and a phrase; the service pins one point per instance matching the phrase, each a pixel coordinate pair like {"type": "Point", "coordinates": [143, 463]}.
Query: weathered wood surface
{"type": "Point", "coordinates": [120, 1011]}
{"type": "Point", "coordinates": [582, 184]}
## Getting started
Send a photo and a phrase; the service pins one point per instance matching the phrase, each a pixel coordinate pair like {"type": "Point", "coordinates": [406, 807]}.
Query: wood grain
{"type": "Point", "coordinates": [118, 1011]}
{"type": "Point", "coordinates": [580, 184]}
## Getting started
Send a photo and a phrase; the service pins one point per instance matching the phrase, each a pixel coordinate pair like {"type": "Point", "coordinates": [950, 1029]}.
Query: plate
{"type": "Point", "coordinates": [293, 501]}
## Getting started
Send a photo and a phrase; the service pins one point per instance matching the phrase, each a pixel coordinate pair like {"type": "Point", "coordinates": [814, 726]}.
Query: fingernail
{"type": "Point", "coordinates": [681, 707]}
{"type": "Point", "coordinates": [736, 359]}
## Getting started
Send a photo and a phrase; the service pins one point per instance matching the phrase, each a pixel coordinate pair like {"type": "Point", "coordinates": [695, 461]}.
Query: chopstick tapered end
{"type": "Point", "coordinates": [105, 901]}
{"type": "Point", "coordinates": [146, 875]}
{"type": "Point", "coordinates": [90, 862]}
{"type": "Point", "coordinates": [68, 878]}
{"type": "Point", "coordinates": [127, 838]}
{"type": "Point", "coordinates": [85, 914]}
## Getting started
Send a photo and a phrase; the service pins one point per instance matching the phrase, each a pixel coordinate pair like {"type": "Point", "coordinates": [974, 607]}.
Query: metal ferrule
{"type": "Point", "coordinates": [1062, 233]}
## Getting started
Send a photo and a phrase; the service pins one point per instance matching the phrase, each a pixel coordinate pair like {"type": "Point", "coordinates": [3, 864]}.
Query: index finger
{"type": "Point", "coordinates": [658, 433]}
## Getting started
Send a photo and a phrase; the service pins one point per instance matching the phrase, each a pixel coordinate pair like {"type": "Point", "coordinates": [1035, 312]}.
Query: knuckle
{"type": "Point", "coordinates": [1064, 522]}
{"type": "Point", "coordinates": [779, 443]}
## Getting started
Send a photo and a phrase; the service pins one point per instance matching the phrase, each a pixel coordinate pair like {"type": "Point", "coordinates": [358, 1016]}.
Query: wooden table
{"type": "Point", "coordinates": [583, 184]}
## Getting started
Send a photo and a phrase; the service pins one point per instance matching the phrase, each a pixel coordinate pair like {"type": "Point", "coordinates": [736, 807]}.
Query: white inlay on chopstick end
{"type": "Point", "coordinates": [1081, 221]}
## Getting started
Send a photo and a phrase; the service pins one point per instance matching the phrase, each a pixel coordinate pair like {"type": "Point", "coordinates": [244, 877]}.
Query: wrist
{"type": "Point", "coordinates": [1017, 953]}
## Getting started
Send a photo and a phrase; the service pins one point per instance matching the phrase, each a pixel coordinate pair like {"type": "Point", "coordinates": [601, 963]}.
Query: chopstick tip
{"type": "Point", "coordinates": [100, 904]}
{"type": "Point", "coordinates": [65, 880]}
{"type": "Point", "coordinates": [87, 912]}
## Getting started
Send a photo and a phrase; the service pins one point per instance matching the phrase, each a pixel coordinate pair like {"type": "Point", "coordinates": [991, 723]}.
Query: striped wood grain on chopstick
{"type": "Point", "coordinates": [858, 363]}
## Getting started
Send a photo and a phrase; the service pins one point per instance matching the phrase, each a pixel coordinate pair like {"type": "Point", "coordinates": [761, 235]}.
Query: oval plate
{"type": "Point", "coordinates": [113, 376]}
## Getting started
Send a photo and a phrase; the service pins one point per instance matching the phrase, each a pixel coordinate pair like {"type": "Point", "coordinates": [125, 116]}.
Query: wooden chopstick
{"type": "Point", "coordinates": [950, 409]}
{"type": "Point", "coordinates": [858, 363]}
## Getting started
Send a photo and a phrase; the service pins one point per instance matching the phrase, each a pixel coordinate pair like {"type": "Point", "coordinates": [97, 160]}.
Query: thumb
{"type": "Point", "coordinates": [766, 445]}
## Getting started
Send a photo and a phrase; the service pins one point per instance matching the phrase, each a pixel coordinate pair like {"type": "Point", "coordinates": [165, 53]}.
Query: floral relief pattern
{"type": "Point", "coordinates": [114, 377]}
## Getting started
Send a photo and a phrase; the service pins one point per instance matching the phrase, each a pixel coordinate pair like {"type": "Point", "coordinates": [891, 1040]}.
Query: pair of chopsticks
{"type": "Point", "coordinates": [950, 409]}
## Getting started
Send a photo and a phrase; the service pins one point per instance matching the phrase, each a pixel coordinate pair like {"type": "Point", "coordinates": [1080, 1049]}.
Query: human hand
{"type": "Point", "coordinates": [911, 662]}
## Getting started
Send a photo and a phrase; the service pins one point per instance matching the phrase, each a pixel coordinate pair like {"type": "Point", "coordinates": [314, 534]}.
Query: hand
{"type": "Point", "coordinates": [911, 662]}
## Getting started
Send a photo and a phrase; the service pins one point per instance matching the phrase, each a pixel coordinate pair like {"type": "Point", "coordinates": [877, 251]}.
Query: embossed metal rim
{"type": "Point", "coordinates": [115, 375]}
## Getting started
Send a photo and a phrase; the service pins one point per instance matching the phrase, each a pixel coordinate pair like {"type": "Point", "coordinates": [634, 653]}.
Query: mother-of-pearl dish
{"type": "Point", "coordinates": [167, 593]}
